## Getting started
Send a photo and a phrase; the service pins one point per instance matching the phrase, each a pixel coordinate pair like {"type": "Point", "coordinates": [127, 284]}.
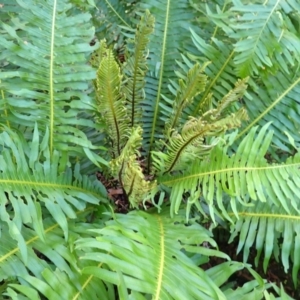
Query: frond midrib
{"type": "Point", "coordinates": [164, 46]}
{"type": "Point", "coordinates": [265, 215]}
{"type": "Point", "coordinates": [227, 170]}
{"type": "Point", "coordinates": [161, 259]}
{"type": "Point", "coordinates": [51, 80]}
{"type": "Point", "coordinates": [266, 111]}
{"type": "Point", "coordinates": [34, 184]}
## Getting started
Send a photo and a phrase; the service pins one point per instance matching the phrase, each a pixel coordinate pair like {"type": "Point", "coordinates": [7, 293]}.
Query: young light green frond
{"type": "Point", "coordinates": [135, 68]}
{"type": "Point", "coordinates": [243, 176]}
{"type": "Point", "coordinates": [221, 73]}
{"type": "Point", "coordinates": [128, 170]}
{"type": "Point", "coordinates": [187, 89]}
{"type": "Point", "coordinates": [29, 180]}
{"type": "Point", "coordinates": [99, 54]}
{"type": "Point", "coordinates": [190, 144]}
{"type": "Point", "coordinates": [111, 102]}
{"type": "Point", "coordinates": [262, 226]}
{"type": "Point", "coordinates": [234, 95]}
{"type": "Point", "coordinates": [46, 68]}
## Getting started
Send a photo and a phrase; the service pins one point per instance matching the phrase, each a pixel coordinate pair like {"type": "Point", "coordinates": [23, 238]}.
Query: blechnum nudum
{"type": "Point", "coordinates": [124, 109]}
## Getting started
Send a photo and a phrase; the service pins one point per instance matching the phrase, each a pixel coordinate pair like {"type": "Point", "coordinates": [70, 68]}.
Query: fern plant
{"type": "Point", "coordinates": [150, 93]}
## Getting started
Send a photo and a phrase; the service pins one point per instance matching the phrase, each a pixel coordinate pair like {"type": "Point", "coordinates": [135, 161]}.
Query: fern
{"type": "Point", "coordinates": [187, 106]}
{"type": "Point", "coordinates": [151, 272]}
{"type": "Point", "coordinates": [51, 71]}
{"type": "Point", "coordinates": [111, 101]}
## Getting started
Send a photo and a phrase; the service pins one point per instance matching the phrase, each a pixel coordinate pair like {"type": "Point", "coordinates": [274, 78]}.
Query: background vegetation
{"type": "Point", "coordinates": [187, 112]}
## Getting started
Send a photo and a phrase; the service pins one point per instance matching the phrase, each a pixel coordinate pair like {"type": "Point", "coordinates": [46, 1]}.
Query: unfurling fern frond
{"type": "Point", "coordinates": [189, 143]}
{"type": "Point", "coordinates": [135, 68]}
{"type": "Point", "coordinates": [188, 87]}
{"type": "Point", "coordinates": [111, 101]}
{"type": "Point", "coordinates": [128, 170]}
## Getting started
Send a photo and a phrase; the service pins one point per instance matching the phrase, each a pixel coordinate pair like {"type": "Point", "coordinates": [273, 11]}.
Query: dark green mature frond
{"type": "Point", "coordinates": [170, 38]}
{"type": "Point", "coordinates": [111, 101]}
{"type": "Point", "coordinates": [29, 179]}
{"type": "Point", "coordinates": [220, 73]}
{"type": "Point", "coordinates": [142, 252]}
{"type": "Point", "coordinates": [135, 68]}
{"type": "Point", "coordinates": [243, 176]}
{"type": "Point", "coordinates": [265, 38]}
{"type": "Point", "coordinates": [110, 16]}
{"type": "Point", "coordinates": [47, 74]}
{"type": "Point", "coordinates": [272, 95]}
{"type": "Point", "coordinates": [275, 99]}
{"type": "Point", "coordinates": [270, 229]}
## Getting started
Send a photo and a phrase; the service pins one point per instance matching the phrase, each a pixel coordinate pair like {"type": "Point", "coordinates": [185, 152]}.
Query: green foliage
{"type": "Point", "coordinates": [150, 93]}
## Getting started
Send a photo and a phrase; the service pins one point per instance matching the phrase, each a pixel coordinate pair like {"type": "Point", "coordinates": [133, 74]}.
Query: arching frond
{"type": "Point", "coordinates": [220, 73]}
{"type": "Point", "coordinates": [158, 240]}
{"type": "Point", "coordinates": [243, 176]}
{"type": "Point", "coordinates": [188, 87]}
{"type": "Point", "coordinates": [29, 180]}
{"type": "Point", "coordinates": [52, 268]}
{"type": "Point", "coordinates": [269, 229]}
{"type": "Point", "coordinates": [189, 144]}
{"type": "Point", "coordinates": [276, 100]}
{"type": "Point", "coordinates": [268, 42]}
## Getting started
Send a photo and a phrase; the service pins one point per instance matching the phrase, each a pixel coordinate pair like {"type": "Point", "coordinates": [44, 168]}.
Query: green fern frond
{"type": "Point", "coordinates": [127, 169]}
{"type": "Point", "coordinates": [188, 88]}
{"type": "Point", "coordinates": [111, 101]}
{"type": "Point", "coordinates": [243, 176]}
{"type": "Point", "coordinates": [158, 240]}
{"type": "Point", "coordinates": [269, 41]}
{"type": "Point", "coordinates": [29, 180]}
{"type": "Point", "coordinates": [135, 68]}
{"type": "Point", "coordinates": [263, 226]}
{"type": "Point", "coordinates": [275, 99]}
{"type": "Point", "coordinates": [52, 267]}
{"type": "Point", "coordinates": [143, 251]}
{"type": "Point", "coordinates": [47, 75]}
{"type": "Point", "coordinates": [190, 144]}
{"type": "Point", "coordinates": [170, 38]}
{"type": "Point", "coordinates": [221, 73]}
